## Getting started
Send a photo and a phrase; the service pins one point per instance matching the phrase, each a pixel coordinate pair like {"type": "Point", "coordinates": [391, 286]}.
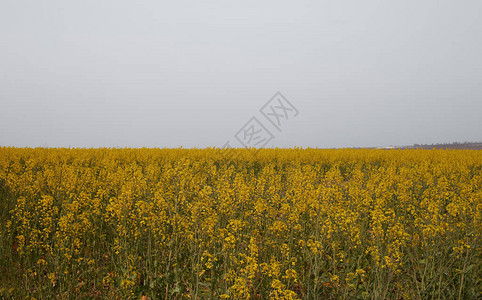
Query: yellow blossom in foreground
{"type": "Point", "coordinates": [281, 224]}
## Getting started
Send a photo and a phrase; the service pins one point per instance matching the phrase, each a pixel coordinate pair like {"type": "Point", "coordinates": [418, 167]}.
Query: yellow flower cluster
{"type": "Point", "coordinates": [281, 224]}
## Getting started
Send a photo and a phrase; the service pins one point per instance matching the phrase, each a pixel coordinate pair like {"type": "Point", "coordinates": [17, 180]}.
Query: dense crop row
{"type": "Point", "coordinates": [285, 224]}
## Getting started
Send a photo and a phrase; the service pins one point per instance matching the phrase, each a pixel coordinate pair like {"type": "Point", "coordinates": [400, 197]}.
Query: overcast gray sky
{"type": "Point", "coordinates": [192, 73]}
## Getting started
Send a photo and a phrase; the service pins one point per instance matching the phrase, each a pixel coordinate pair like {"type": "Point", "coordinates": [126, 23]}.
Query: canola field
{"type": "Point", "coordinates": [277, 224]}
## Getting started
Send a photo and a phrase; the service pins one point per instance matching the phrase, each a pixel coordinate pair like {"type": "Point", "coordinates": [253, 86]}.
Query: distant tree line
{"type": "Point", "coordinates": [453, 145]}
